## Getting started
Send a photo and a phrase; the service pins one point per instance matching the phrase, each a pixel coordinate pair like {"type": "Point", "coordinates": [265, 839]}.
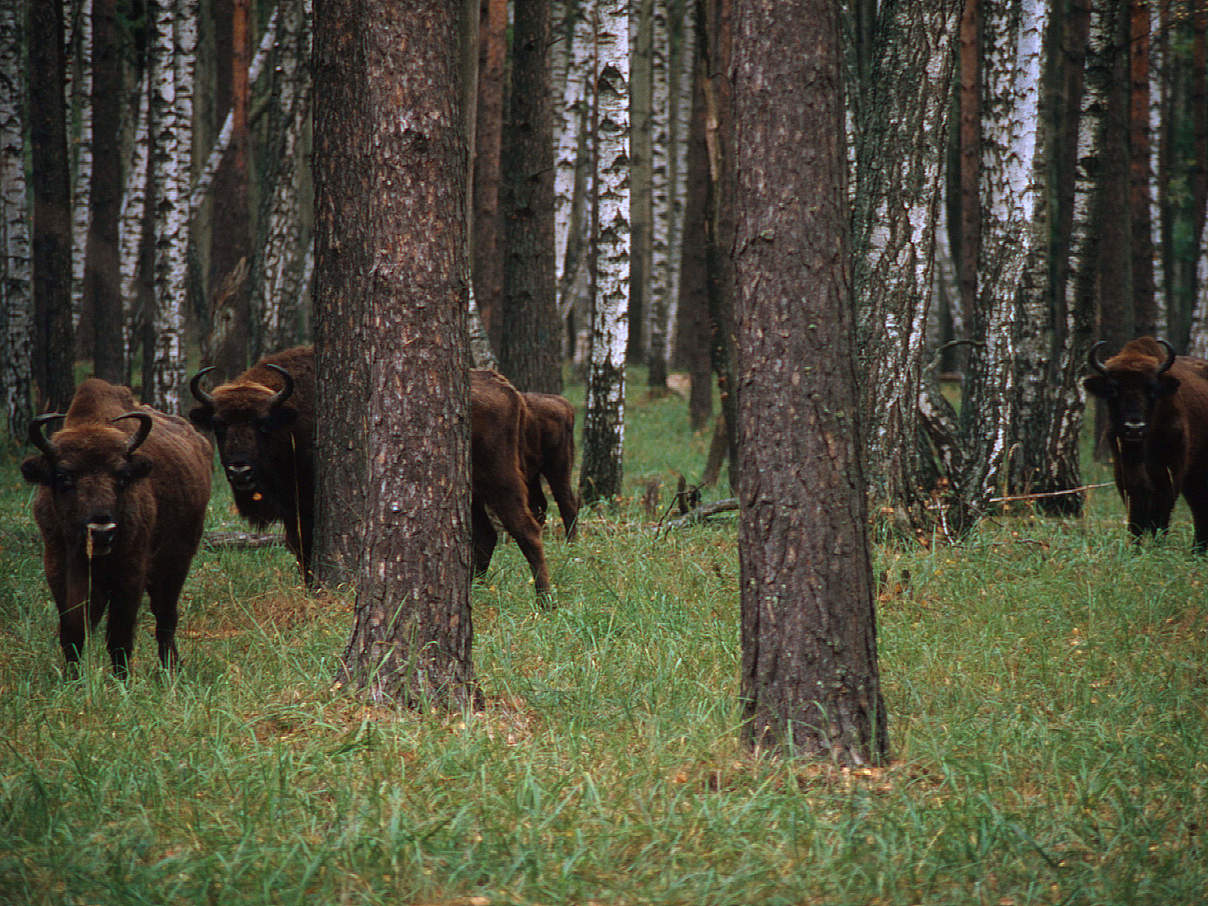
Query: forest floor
{"type": "Point", "coordinates": [1046, 685]}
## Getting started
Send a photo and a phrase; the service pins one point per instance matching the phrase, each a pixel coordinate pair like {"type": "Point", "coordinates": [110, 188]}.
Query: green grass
{"type": "Point", "coordinates": [1047, 686]}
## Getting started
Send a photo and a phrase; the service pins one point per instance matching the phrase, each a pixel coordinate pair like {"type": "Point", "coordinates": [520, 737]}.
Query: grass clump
{"type": "Point", "coordinates": [1046, 682]}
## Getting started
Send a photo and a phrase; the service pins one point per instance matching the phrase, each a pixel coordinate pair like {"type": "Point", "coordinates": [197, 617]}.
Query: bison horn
{"type": "Point", "coordinates": [1169, 357]}
{"type": "Point", "coordinates": [285, 392]}
{"type": "Point", "coordinates": [1093, 358]}
{"type": "Point", "coordinates": [144, 428]}
{"type": "Point", "coordinates": [195, 386]}
{"type": "Point", "coordinates": [37, 437]}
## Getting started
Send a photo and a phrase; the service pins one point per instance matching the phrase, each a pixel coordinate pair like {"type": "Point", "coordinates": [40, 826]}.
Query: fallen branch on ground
{"type": "Point", "coordinates": [239, 541]}
{"type": "Point", "coordinates": [704, 511]}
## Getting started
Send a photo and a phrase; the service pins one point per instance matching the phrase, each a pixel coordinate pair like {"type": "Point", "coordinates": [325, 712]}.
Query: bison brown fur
{"type": "Point", "coordinates": [497, 466]}
{"type": "Point", "coordinates": [264, 424]}
{"type": "Point", "coordinates": [549, 452]}
{"type": "Point", "coordinates": [120, 504]}
{"type": "Point", "coordinates": [1158, 406]}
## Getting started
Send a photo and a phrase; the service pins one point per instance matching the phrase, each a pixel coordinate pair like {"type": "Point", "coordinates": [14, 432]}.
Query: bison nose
{"type": "Point", "coordinates": [239, 473]}
{"type": "Point", "coordinates": [101, 533]}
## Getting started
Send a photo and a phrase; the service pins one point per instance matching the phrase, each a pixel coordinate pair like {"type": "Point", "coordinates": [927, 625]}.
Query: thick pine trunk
{"type": "Point", "coordinates": [531, 342]}
{"type": "Point", "coordinates": [401, 206]}
{"type": "Point", "coordinates": [54, 352]}
{"type": "Point", "coordinates": [604, 419]}
{"type": "Point", "coordinates": [16, 278]}
{"type": "Point", "coordinates": [809, 652]}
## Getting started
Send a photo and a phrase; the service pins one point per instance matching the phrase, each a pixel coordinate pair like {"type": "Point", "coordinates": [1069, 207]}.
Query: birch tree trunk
{"type": "Point", "coordinates": [681, 68]}
{"type": "Point", "coordinates": [643, 145]}
{"type": "Point", "coordinates": [1012, 206]}
{"type": "Point", "coordinates": [654, 347]}
{"type": "Point", "coordinates": [131, 227]}
{"type": "Point", "coordinates": [901, 141]}
{"type": "Point", "coordinates": [172, 42]}
{"type": "Point", "coordinates": [573, 176]}
{"type": "Point", "coordinates": [604, 419]}
{"type": "Point", "coordinates": [80, 45]}
{"type": "Point", "coordinates": [16, 276]}
{"type": "Point", "coordinates": [1144, 302]}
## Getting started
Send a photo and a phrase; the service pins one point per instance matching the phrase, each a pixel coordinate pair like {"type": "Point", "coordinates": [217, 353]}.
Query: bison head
{"type": "Point", "coordinates": [91, 472]}
{"type": "Point", "coordinates": [1132, 383]}
{"type": "Point", "coordinates": [245, 417]}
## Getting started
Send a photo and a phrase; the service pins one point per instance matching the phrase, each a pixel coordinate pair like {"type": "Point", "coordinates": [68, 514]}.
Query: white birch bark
{"type": "Point", "coordinates": [899, 164]}
{"type": "Point", "coordinates": [172, 40]}
{"type": "Point", "coordinates": [660, 132]}
{"type": "Point", "coordinates": [569, 116]}
{"type": "Point", "coordinates": [130, 229]}
{"type": "Point", "coordinates": [16, 274]}
{"type": "Point", "coordinates": [282, 256]}
{"type": "Point", "coordinates": [205, 179]}
{"type": "Point", "coordinates": [1158, 83]}
{"type": "Point", "coordinates": [604, 425]}
{"type": "Point", "coordinates": [1012, 205]}
{"type": "Point", "coordinates": [79, 42]}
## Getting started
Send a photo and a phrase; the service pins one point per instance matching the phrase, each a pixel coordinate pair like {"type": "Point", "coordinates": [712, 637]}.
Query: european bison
{"type": "Point", "coordinates": [120, 504]}
{"type": "Point", "coordinates": [1158, 403]}
{"type": "Point", "coordinates": [264, 422]}
{"type": "Point", "coordinates": [497, 445]}
{"type": "Point", "coordinates": [549, 451]}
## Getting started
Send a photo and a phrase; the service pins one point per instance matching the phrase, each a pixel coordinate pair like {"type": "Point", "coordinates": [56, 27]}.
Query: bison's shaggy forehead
{"type": "Point", "coordinates": [92, 447]}
{"type": "Point", "coordinates": [244, 400]}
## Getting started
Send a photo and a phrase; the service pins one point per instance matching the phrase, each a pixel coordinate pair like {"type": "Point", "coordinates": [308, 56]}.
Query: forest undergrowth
{"type": "Point", "coordinates": [1047, 687]}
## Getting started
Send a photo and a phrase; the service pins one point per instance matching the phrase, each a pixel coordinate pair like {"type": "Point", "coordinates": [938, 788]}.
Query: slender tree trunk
{"type": "Point", "coordinates": [1144, 301]}
{"type": "Point", "coordinates": [404, 209]}
{"type": "Point", "coordinates": [968, 223]}
{"type": "Point", "coordinates": [654, 321]}
{"type": "Point", "coordinates": [53, 346]}
{"type": "Point", "coordinates": [681, 74]}
{"type": "Point", "coordinates": [132, 227]}
{"type": "Point", "coordinates": [898, 199]}
{"type": "Point", "coordinates": [80, 50]}
{"type": "Point", "coordinates": [714, 36]}
{"type": "Point", "coordinates": [531, 342]}
{"type": "Point", "coordinates": [16, 278]}
{"type": "Point", "coordinates": [604, 419]}
{"type": "Point", "coordinates": [809, 652]}
{"type": "Point", "coordinates": [488, 221]}
{"type": "Point", "coordinates": [102, 271]}
{"type": "Point", "coordinates": [643, 116]}
{"type": "Point", "coordinates": [572, 156]}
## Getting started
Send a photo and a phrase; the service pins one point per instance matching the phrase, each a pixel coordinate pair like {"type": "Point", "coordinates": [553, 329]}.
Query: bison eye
{"type": "Point", "coordinates": [65, 480]}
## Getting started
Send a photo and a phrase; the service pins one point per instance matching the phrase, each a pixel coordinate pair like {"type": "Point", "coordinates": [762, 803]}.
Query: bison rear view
{"type": "Point", "coordinates": [121, 501]}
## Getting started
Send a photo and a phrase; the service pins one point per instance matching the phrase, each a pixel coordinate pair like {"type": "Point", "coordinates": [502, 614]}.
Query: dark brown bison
{"type": "Point", "coordinates": [264, 423]}
{"type": "Point", "coordinates": [497, 467]}
{"type": "Point", "coordinates": [121, 502]}
{"type": "Point", "coordinates": [1158, 405]}
{"type": "Point", "coordinates": [549, 452]}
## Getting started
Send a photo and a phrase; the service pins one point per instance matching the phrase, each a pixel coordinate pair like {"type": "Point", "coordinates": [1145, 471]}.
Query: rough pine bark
{"type": "Point", "coordinates": [54, 352]}
{"type": "Point", "coordinates": [102, 290]}
{"type": "Point", "coordinates": [901, 142]}
{"type": "Point", "coordinates": [16, 278]}
{"type": "Point", "coordinates": [809, 654]}
{"type": "Point", "coordinates": [391, 180]}
{"type": "Point", "coordinates": [530, 339]}
{"type": "Point", "coordinates": [604, 418]}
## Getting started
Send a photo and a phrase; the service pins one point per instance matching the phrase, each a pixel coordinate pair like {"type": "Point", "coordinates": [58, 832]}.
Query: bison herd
{"type": "Point", "coordinates": [123, 488]}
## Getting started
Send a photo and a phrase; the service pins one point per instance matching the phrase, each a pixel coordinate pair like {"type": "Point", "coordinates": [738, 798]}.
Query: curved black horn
{"type": "Point", "coordinates": [285, 392]}
{"type": "Point", "coordinates": [1169, 357]}
{"type": "Point", "coordinates": [144, 428]}
{"type": "Point", "coordinates": [195, 386]}
{"type": "Point", "coordinates": [37, 437]}
{"type": "Point", "coordinates": [1093, 358]}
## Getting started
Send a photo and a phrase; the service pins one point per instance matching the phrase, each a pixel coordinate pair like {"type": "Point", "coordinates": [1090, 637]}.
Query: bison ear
{"type": "Point", "coordinates": [36, 470]}
{"type": "Point", "coordinates": [202, 417]}
{"type": "Point", "coordinates": [1098, 385]}
{"type": "Point", "coordinates": [1167, 384]}
{"type": "Point", "coordinates": [138, 466]}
